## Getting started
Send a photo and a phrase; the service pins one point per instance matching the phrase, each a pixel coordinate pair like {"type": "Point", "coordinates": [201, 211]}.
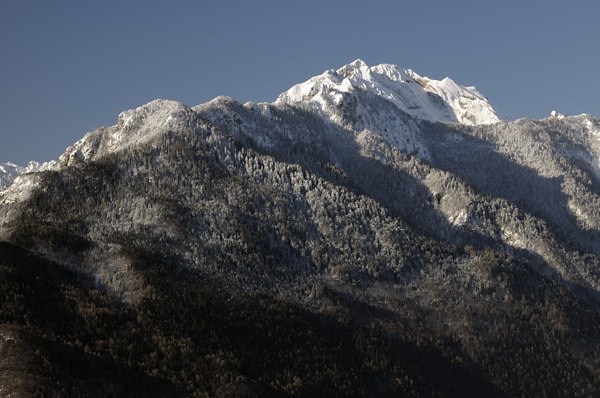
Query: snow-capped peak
{"type": "Point", "coordinates": [422, 97]}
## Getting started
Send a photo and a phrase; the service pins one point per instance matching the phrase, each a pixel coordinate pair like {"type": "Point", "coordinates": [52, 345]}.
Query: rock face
{"type": "Point", "coordinates": [371, 232]}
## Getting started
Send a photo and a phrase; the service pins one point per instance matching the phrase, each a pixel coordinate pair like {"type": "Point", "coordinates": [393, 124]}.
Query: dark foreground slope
{"type": "Point", "coordinates": [188, 336]}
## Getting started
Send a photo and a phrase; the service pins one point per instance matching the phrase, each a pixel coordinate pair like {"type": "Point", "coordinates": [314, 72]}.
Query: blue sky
{"type": "Point", "coordinates": [68, 67]}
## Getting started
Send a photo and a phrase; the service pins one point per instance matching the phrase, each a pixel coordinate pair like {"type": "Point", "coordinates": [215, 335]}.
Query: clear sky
{"type": "Point", "coordinates": [68, 67]}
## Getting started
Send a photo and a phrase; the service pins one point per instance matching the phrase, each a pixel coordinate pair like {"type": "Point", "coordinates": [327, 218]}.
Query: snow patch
{"type": "Point", "coordinates": [513, 238]}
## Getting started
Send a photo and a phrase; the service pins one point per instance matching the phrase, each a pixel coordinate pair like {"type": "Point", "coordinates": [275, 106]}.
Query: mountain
{"type": "Point", "coordinates": [370, 233]}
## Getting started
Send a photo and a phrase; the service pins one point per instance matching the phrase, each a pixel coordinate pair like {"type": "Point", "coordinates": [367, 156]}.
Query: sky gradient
{"type": "Point", "coordinates": [68, 67]}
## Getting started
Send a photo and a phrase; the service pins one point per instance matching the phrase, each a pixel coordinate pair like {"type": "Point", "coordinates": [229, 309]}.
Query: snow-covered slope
{"type": "Point", "coordinates": [134, 126]}
{"type": "Point", "coordinates": [421, 97]}
{"type": "Point", "coordinates": [9, 172]}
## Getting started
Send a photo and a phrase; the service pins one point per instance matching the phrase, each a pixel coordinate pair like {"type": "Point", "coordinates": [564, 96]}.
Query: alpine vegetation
{"type": "Point", "coordinates": [372, 232]}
